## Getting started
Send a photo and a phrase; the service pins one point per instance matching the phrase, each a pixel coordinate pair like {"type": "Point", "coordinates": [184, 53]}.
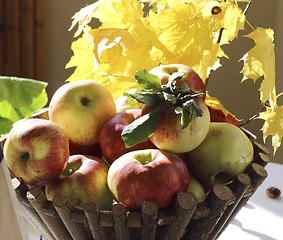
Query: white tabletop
{"type": "Point", "coordinates": [262, 217]}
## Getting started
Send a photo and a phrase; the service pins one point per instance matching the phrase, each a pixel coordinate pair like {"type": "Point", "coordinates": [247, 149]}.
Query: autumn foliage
{"type": "Point", "coordinates": [143, 34]}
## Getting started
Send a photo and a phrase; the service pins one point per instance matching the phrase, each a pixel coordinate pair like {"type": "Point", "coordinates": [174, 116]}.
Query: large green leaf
{"type": "Point", "coordinates": [5, 125]}
{"type": "Point", "coordinates": [19, 98]}
{"type": "Point", "coordinates": [147, 80]}
{"type": "Point", "coordinates": [142, 128]}
{"type": "Point", "coordinates": [20, 92]}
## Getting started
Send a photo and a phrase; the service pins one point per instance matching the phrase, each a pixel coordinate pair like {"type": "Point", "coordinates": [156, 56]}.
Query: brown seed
{"type": "Point", "coordinates": [273, 192]}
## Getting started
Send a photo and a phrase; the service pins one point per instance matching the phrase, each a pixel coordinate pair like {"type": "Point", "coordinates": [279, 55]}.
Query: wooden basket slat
{"type": "Point", "coordinates": [239, 187]}
{"type": "Point", "coordinates": [64, 209]}
{"type": "Point", "coordinates": [149, 214]}
{"type": "Point", "coordinates": [218, 199]}
{"type": "Point", "coordinates": [257, 174]}
{"type": "Point", "coordinates": [37, 199]}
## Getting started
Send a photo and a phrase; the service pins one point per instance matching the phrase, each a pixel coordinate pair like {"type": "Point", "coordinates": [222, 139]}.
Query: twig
{"type": "Point", "coordinates": [247, 7]}
{"type": "Point", "coordinates": [266, 104]}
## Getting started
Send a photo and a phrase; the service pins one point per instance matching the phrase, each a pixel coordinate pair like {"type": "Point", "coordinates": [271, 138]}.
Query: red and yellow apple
{"type": "Point", "coordinates": [36, 150]}
{"type": "Point", "coordinates": [190, 77]}
{"type": "Point", "coordinates": [225, 152]}
{"type": "Point", "coordinates": [170, 135]}
{"type": "Point", "coordinates": [110, 139]}
{"type": "Point", "coordinates": [81, 108]}
{"type": "Point", "coordinates": [84, 180]}
{"type": "Point", "coordinates": [147, 175]}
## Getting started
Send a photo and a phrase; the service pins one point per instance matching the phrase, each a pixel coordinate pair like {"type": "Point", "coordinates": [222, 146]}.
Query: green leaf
{"type": "Point", "coordinates": [20, 92]}
{"type": "Point", "coordinates": [19, 98]}
{"type": "Point", "coordinates": [171, 98]}
{"type": "Point", "coordinates": [148, 98]}
{"type": "Point", "coordinates": [175, 76]}
{"type": "Point", "coordinates": [5, 125]}
{"type": "Point", "coordinates": [184, 87]}
{"type": "Point", "coordinates": [142, 128]}
{"type": "Point", "coordinates": [147, 80]}
{"type": "Point", "coordinates": [190, 111]}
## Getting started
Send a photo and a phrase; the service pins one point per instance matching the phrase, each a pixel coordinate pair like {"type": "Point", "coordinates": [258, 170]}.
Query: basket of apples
{"type": "Point", "coordinates": [160, 162]}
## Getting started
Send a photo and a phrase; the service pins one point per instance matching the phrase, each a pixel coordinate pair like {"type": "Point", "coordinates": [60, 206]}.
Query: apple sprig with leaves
{"type": "Point", "coordinates": [152, 93]}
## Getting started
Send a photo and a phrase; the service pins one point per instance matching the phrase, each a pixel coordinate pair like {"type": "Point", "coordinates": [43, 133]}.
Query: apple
{"type": "Point", "coordinates": [147, 175]}
{"type": "Point", "coordinates": [36, 150]}
{"type": "Point", "coordinates": [81, 108]}
{"type": "Point", "coordinates": [84, 180]}
{"type": "Point", "coordinates": [196, 189]}
{"type": "Point", "coordinates": [94, 150]}
{"type": "Point", "coordinates": [111, 143]}
{"type": "Point", "coordinates": [225, 152]}
{"type": "Point", "coordinates": [191, 77]}
{"type": "Point", "coordinates": [217, 115]}
{"type": "Point", "coordinates": [123, 104]}
{"type": "Point", "coordinates": [169, 134]}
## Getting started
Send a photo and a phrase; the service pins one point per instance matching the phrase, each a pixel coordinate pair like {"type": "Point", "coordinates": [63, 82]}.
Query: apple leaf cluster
{"type": "Point", "coordinates": [19, 98]}
{"type": "Point", "coordinates": [152, 93]}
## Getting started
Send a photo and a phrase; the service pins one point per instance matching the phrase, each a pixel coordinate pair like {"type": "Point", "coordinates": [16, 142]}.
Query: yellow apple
{"type": "Point", "coordinates": [81, 108]}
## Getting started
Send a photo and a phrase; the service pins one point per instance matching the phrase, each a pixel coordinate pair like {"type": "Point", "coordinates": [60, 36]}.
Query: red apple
{"type": "Point", "coordinates": [217, 115]}
{"type": "Point", "coordinates": [110, 140]}
{"type": "Point", "coordinates": [93, 150]}
{"type": "Point", "coordinates": [147, 175]}
{"type": "Point", "coordinates": [170, 135]}
{"type": "Point", "coordinates": [84, 180]}
{"type": "Point", "coordinates": [36, 150]}
{"type": "Point", "coordinates": [191, 77]}
{"type": "Point", "coordinates": [81, 108]}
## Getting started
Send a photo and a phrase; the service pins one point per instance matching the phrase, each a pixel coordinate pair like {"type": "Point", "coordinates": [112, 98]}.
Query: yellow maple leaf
{"type": "Point", "coordinates": [83, 53]}
{"type": "Point", "coordinates": [122, 50]}
{"type": "Point", "coordinates": [119, 14]}
{"type": "Point", "coordinates": [260, 61]}
{"type": "Point", "coordinates": [84, 16]}
{"type": "Point", "coordinates": [120, 84]}
{"type": "Point", "coordinates": [224, 15]}
{"type": "Point", "coordinates": [216, 104]}
{"type": "Point", "coordinates": [273, 125]}
{"type": "Point", "coordinates": [187, 36]}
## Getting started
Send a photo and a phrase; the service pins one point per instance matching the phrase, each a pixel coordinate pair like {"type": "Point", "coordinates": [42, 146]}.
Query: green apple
{"type": "Point", "coordinates": [36, 150]}
{"type": "Point", "coordinates": [197, 189]}
{"type": "Point", "coordinates": [84, 180]}
{"type": "Point", "coordinates": [225, 152]}
{"type": "Point", "coordinates": [81, 108]}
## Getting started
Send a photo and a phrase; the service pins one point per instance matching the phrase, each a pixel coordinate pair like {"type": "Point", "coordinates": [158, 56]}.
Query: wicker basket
{"type": "Point", "coordinates": [185, 219]}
